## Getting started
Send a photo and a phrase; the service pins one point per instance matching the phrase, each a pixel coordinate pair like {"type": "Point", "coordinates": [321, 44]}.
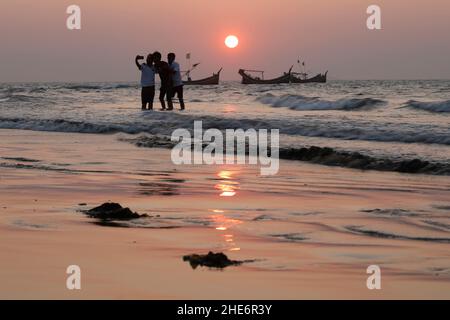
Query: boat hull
{"type": "Point", "coordinates": [213, 80]}
{"type": "Point", "coordinates": [320, 78]}
{"type": "Point", "coordinates": [247, 79]}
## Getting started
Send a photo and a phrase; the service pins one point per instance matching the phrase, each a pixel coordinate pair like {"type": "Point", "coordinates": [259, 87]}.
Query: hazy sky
{"type": "Point", "coordinates": [328, 34]}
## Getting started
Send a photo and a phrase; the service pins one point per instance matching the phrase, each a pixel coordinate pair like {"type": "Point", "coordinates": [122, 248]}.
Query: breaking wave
{"type": "Point", "coordinates": [52, 125]}
{"type": "Point", "coordinates": [356, 160]}
{"type": "Point", "coordinates": [28, 93]}
{"type": "Point", "coordinates": [438, 106]}
{"type": "Point", "coordinates": [86, 87]}
{"type": "Point", "coordinates": [326, 156]}
{"type": "Point", "coordinates": [386, 235]}
{"type": "Point", "coordinates": [164, 123]}
{"type": "Point", "coordinates": [23, 98]}
{"type": "Point", "coordinates": [298, 102]}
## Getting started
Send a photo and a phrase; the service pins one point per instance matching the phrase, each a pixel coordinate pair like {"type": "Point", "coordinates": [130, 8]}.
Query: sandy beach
{"type": "Point", "coordinates": [311, 230]}
{"type": "Point", "coordinates": [123, 126]}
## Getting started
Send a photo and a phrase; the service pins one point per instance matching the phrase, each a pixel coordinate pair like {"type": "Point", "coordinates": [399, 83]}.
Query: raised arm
{"type": "Point", "coordinates": [136, 60]}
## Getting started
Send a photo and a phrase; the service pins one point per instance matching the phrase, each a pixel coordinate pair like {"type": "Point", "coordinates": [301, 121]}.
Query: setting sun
{"type": "Point", "coordinates": [231, 41]}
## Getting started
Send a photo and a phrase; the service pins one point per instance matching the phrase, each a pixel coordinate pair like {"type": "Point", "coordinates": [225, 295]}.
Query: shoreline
{"type": "Point", "coordinates": [325, 156]}
{"type": "Point", "coordinates": [294, 225]}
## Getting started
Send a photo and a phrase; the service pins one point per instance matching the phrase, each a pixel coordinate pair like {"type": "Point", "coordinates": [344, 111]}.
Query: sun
{"type": "Point", "coordinates": [231, 41]}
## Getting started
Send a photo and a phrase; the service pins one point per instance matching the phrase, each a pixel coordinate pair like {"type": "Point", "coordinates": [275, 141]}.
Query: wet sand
{"type": "Point", "coordinates": [313, 230]}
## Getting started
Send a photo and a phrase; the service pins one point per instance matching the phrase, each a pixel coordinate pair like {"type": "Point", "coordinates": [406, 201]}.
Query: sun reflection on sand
{"type": "Point", "coordinates": [225, 174]}
{"type": "Point", "coordinates": [224, 225]}
{"type": "Point", "coordinates": [229, 108]}
{"type": "Point", "coordinates": [226, 192]}
{"type": "Point", "coordinates": [227, 185]}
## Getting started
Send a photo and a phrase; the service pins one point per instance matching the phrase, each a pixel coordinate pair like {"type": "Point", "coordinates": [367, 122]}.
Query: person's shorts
{"type": "Point", "coordinates": [178, 90]}
{"type": "Point", "coordinates": [148, 94]}
{"type": "Point", "coordinates": [165, 91]}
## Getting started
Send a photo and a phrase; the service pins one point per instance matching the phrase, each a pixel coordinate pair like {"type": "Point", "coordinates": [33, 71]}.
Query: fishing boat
{"type": "Point", "coordinates": [212, 80]}
{"type": "Point", "coordinates": [303, 78]}
{"type": "Point", "coordinates": [247, 78]}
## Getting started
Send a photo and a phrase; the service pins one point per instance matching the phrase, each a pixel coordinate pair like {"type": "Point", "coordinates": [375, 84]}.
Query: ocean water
{"type": "Point", "coordinates": [395, 120]}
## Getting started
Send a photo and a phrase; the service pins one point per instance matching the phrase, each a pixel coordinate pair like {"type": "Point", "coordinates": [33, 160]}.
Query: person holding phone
{"type": "Point", "coordinates": [147, 81]}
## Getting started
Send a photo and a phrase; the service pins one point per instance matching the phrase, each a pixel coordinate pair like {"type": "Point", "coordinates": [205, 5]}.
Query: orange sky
{"type": "Point", "coordinates": [328, 34]}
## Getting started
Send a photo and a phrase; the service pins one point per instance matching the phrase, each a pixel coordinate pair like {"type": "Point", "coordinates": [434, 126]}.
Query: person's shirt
{"type": "Point", "coordinates": [176, 74]}
{"type": "Point", "coordinates": [147, 75]}
{"type": "Point", "coordinates": [165, 73]}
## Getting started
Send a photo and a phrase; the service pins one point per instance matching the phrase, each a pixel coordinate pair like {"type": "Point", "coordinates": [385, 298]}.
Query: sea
{"type": "Point", "coordinates": [380, 125]}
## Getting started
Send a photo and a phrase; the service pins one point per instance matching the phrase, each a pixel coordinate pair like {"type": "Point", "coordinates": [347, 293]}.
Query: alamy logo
{"type": "Point", "coordinates": [374, 280]}
{"type": "Point", "coordinates": [73, 22]}
{"type": "Point", "coordinates": [73, 281]}
{"type": "Point", "coordinates": [374, 20]}
{"type": "Point", "coordinates": [235, 147]}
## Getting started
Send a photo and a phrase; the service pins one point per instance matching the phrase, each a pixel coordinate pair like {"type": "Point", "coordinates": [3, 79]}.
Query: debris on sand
{"type": "Point", "coordinates": [113, 211]}
{"type": "Point", "coordinates": [211, 260]}
{"type": "Point", "coordinates": [112, 214]}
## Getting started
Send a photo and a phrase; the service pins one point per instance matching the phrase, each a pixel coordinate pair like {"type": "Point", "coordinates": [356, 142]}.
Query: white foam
{"type": "Point", "coordinates": [298, 102]}
{"type": "Point", "coordinates": [164, 124]}
{"type": "Point", "coordinates": [437, 106]}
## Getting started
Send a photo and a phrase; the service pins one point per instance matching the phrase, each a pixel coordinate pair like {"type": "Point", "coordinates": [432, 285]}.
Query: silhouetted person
{"type": "Point", "coordinates": [147, 81]}
{"type": "Point", "coordinates": [165, 74]}
{"type": "Point", "coordinates": [177, 83]}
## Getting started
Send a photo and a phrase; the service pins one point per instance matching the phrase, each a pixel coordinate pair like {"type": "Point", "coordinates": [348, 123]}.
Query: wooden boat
{"type": "Point", "coordinates": [248, 79]}
{"type": "Point", "coordinates": [303, 78]}
{"type": "Point", "coordinates": [213, 80]}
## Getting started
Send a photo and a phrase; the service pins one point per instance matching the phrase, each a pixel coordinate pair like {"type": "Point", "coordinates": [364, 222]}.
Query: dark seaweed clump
{"type": "Point", "coordinates": [113, 211]}
{"type": "Point", "coordinates": [211, 260]}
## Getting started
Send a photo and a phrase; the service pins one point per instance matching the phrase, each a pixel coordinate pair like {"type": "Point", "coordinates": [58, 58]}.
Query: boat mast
{"type": "Point", "coordinates": [302, 69]}
{"type": "Point", "coordinates": [188, 73]}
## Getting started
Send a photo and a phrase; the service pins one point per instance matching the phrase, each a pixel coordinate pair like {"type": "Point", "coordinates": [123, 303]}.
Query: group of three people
{"type": "Point", "coordinates": [170, 76]}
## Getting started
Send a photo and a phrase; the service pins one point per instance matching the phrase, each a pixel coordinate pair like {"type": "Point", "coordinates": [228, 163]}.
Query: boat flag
{"type": "Point", "coordinates": [188, 56]}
